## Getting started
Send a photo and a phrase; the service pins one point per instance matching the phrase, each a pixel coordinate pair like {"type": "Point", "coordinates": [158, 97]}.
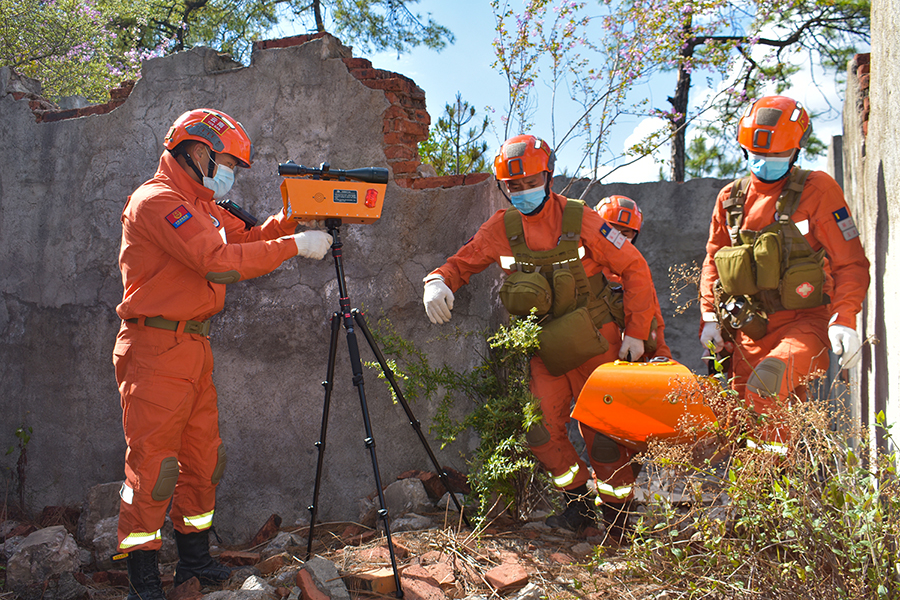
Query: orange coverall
{"type": "Point", "coordinates": [175, 239]}
{"type": "Point", "coordinates": [798, 338]}
{"type": "Point", "coordinates": [542, 232]}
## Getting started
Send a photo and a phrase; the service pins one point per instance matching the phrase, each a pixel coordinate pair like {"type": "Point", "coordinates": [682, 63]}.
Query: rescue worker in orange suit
{"type": "Point", "coordinates": [552, 244]}
{"type": "Point", "coordinates": [616, 475]}
{"type": "Point", "coordinates": [784, 253]}
{"type": "Point", "coordinates": [179, 250]}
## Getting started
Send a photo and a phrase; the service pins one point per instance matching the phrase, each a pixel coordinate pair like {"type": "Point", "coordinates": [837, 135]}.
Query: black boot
{"type": "Point", "coordinates": [143, 576]}
{"type": "Point", "coordinates": [578, 513]}
{"type": "Point", "coordinates": [194, 560]}
{"type": "Point", "coordinates": [615, 517]}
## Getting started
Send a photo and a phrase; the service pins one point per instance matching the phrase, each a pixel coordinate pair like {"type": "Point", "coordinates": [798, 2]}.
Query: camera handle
{"type": "Point", "coordinates": [352, 318]}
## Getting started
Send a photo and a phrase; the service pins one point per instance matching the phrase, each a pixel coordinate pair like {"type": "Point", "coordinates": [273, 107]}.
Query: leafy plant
{"type": "Point", "coordinates": [502, 468]}
{"type": "Point", "coordinates": [23, 436]}
{"type": "Point", "coordinates": [819, 522]}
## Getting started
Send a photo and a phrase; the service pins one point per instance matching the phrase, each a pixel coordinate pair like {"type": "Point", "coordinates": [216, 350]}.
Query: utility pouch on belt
{"type": "Point", "coordinates": [739, 313]}
{"type": "Point", "coordinates": [523, 291]}
{"type": "Point", "coordinates": [802, 284]}
{"type": "Point", "coordinates": [569, 341]}
{"type": "Point", "coordinates": [736, 272]}
{"type": "Point", "coordinates": [767, 253]}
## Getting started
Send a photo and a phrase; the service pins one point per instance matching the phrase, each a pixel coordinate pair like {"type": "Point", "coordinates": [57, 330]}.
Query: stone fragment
{"type": "Point", "coordinates": [406, 496]}
{"type": "Point", "coordinates": [45, 553]}
{"type": "Point", "coordinates": [326, 578]}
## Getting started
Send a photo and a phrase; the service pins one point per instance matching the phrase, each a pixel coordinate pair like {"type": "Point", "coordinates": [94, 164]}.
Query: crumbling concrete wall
{"type": "Point", "coordinates": [63, 183]}
{"type": "Point", "coordinates": [872, 186]}
{"type": "Point", "coordinates": [64, 177]}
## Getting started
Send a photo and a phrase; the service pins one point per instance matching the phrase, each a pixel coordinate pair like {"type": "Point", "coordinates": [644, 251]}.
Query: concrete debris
{"type": "Point", "coordinates": [407, 496]}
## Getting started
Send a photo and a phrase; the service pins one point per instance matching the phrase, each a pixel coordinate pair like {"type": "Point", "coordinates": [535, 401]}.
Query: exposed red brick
{"type": "Point", "coordinates": [398, 137]}
{"type": "Point", "coordinates": [118, 578]}
{"type": "Point", "coordinates": [864, 82]}
{"type": "Point", "coordinates": [273, 563]}
{"type": "Point", "coordinates": [562, 558]}
{"type": "Point", "coordinates": [411, 127]}
{"type": "Point", "coordinates": [282, 592]}
{"type": "Point", "coordinates": [267, 531]}
{"type": "Point", "coordinates": [308, 586]}
{"type": "Point", "coordinates": [357, 63]}
{"type": "Point", "coordinates": [408, 166]}
{"type": "Point", "coordinates": [377, 581]}
{"type": "Point", "coordinates": [237, 558]}
{"type": "Point", "coordinates": [508, 576]}
{"type": "Point", "coordinates": [418, 584]}
{"type": "Point", "coordinates": [393, 84]}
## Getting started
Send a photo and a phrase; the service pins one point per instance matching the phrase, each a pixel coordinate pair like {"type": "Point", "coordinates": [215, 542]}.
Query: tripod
{"type": "Point", "coordinates": [351, 318]}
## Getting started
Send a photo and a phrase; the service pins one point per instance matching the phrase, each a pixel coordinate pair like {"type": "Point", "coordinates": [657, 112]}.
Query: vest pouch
{"type": "Point", "coordinates": [802, 285]}
{"type": "Point", "coordinates": [767, 254]}
{"type": "Point", "coordinates": [569, 341]}
{"type": "Point", "coordinates": [523, 291]}
{"type": "Point", "coordinates": [735, 267]}
{"type": "Point", "coordinates": [564, 292]}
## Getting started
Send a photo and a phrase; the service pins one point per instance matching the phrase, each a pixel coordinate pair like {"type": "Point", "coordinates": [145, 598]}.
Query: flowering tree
{"type": "Point", "coordinates": [740, 46]}
{"type": "Point", "coordinates": [68, 45]}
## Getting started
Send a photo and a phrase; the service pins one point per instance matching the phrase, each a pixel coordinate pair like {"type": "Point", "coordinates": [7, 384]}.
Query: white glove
{"type": "Point", "coordinates": [438, 301]}
{"type": "Point", "coordinates": [845, 343]}
{"type": "Point", "coordinates": [632, 346]}
{"type": "Point", "coordinates": [712, 333]}
{"type": "Point", "coordinates": [312, 244]}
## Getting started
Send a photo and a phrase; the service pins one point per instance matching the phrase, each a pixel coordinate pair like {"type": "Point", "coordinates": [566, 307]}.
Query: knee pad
{"type": "Point", "coordinates": [220, 465]}
{"type": "Point", "coordinates": [604, 449]}
{"type": "Point", "coordinates": [766, 378]}
{"type": "Point", "coordinates": [538, 435]}
{"type": "Point", "coordinates": [165, 482]}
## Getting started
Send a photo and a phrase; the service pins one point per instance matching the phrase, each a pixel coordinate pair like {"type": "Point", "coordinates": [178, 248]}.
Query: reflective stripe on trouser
{"type": "Point", "coordinates": [138, 539]}
{"type": "Point", "coordinates": [799, 339]}
{"type": "Point", "coordinates": [169, 410]}
{"type": "Point", "coordinates": [620, 493]}
{"type": "Point", "coordinates": [565, 480]}
{"type": "Point", "coordinates": [200, 522]}
{"type": "Point", "coordinates": [556, 395]}
{"type": "Point", "coordinates": [612, 468]}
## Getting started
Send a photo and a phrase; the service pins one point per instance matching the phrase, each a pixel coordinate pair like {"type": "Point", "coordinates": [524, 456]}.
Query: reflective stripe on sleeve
{"type": "Point", "coordinates": [136, 539]}
{"type": "Point", "coordinates": [203, 521]}
{"type": "Point", "coordinates": [566, 478]}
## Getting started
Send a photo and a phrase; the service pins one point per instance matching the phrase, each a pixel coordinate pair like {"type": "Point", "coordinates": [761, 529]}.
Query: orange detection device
{"type": "Point", "coordinates": [634, 402]}
{"type": "Point", "coordinates": [353, 196]}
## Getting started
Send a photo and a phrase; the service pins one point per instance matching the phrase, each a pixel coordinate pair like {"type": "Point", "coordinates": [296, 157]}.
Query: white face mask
{"type": "Point", "coordinates": [221, 182]}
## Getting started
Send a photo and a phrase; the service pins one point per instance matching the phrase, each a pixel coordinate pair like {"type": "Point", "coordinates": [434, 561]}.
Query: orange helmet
{"type": "Point", "coordinates": [774, 124]}
{"type": "Point", "coordinates": [621, 210]}
{"type": "Point", "coordinates": [215, 129]}
{"type": "Point", "coordinates": [523, 156]}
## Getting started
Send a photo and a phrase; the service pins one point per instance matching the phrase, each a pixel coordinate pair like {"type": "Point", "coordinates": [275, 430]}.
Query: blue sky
{"type": "Point", "coordinates": [465, 67]}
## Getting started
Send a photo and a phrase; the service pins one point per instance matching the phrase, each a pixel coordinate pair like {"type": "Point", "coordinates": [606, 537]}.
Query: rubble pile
{"type": "Point", "coordinates": [66, 554]}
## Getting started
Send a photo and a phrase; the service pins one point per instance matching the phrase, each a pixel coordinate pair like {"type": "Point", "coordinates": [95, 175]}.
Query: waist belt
{"type": "Point", "coordinates": [195, 327]}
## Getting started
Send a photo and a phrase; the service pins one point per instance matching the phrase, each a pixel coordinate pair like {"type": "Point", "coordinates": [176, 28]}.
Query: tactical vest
{"type": "Point", "coordinates": [774, 268]}
{"type": "Point", "coordinates": [571, 306]}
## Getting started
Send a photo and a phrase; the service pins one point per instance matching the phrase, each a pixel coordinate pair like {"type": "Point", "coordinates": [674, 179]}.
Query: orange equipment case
{"type": "Point", "coordinates": [635, 402]}
{"type": "Point", "coordinates": [306, 199]}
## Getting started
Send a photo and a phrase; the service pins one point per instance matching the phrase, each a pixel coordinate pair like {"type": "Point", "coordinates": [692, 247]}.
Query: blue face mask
{"type": "Point", "coordinates": [221, 182]}
{"type": "Point", "coordinates": [528, 201]}
{"type": "Point", "coordinates": [769, 168]}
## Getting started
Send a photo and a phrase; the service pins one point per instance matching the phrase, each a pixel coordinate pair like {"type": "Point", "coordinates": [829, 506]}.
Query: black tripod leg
{"type": "Point", "coordinates": [328, 385]}
{"type": "Point", "coordinates": [389, 374]}
{"type": "Point", "coordinates": [356, 364]}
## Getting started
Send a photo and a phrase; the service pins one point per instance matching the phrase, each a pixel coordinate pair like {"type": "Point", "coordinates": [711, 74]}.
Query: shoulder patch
{"type": "Point", "coordinates": [178, 217]}
{"type": "Point", "coordinates": [845, 223]}
{"type": "Point", "coordinates": [615, 237]}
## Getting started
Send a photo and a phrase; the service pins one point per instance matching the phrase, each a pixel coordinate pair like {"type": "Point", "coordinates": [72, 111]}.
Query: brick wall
{"type": "Point", "coordinates": [861, 65]}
